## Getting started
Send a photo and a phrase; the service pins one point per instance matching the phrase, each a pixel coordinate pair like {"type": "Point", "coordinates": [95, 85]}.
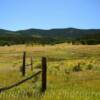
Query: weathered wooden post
{"type": "Point", "coordinates": [24, 62]}
{"type": "Point", "coordinates": [44, 71]}
{"type": "Point", "coordinates": [31, 63]}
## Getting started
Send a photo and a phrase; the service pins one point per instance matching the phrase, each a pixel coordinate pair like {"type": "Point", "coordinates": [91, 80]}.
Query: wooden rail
{"type": "Point", "coordinates": [19, 83]}
{"type": "Point", "coordinates": [23, 71]}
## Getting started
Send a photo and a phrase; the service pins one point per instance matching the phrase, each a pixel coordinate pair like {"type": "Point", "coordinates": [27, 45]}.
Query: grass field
{"type": "Point", "coordinates": [64, 80]}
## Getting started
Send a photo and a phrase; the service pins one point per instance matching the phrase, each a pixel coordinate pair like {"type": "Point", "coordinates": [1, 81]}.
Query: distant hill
{"type": "Point", "coordinates": [53, 36]}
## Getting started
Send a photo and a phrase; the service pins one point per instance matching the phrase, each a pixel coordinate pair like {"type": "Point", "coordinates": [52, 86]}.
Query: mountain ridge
{"type": "Point", "coordinates": [50, 36]}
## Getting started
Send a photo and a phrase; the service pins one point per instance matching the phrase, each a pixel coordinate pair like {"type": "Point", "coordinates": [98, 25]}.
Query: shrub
{"type": "Point", "coordinates": [89, 67]}
{"type": "Point", "coordinates": [77, 68]}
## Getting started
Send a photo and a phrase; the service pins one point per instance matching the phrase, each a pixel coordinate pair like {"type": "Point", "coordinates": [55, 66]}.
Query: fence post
{"type": "Point", "coordinates": [31, 63]}
{"type": "Point", "coordinates": [44, 71]}
{"type": "Point", "coordinates": [24, 62]}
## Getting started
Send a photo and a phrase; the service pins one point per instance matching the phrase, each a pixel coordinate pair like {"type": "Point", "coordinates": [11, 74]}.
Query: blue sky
{"type": "Point", "coordinates": [47, 14]}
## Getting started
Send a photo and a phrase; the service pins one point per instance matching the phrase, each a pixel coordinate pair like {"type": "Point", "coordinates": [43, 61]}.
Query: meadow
{"type": "Point", "coordinates": [73, 72]}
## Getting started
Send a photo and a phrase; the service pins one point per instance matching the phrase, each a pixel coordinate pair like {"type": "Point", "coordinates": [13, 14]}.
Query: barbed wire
{"type": "Point", "coordinates": [87, 79]}
{"type": "Point", "coordinates": [10, 52]}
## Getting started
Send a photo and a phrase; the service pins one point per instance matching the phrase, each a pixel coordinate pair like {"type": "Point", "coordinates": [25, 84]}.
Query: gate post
{"type": "Point", "coordinates": [44, 72]}
{"type": "Point", "coordinates": [24, 62]}
{"type": "Point", "coordinates": [31, 63]}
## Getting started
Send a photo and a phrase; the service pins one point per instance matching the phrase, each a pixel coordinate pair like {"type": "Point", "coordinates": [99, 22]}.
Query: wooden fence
{"type": "Point", "coordinates": [43, 72]}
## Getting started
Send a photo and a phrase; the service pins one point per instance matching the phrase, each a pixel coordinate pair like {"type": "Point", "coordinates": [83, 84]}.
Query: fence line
{"type": "Point", "coordinates": [11, 53]}
{"type": "Point", "coordinates": [23, 71]}
{"type": "Point", "coordinates": [19, 83]}
{"type": "Point", "coordinates": [44, 74]}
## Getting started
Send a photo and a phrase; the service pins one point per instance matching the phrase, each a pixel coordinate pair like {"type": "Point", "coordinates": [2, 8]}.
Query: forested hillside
{"type": "Point", "coordinates": [53, 36]}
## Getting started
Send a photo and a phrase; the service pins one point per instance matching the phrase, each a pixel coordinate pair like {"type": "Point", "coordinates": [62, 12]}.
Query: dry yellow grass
{"type": "Point", "coordinates": [61, 78]}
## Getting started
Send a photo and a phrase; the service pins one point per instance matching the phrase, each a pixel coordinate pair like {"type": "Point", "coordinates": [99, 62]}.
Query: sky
{"type": "Point", "coordinates": [47, 14]}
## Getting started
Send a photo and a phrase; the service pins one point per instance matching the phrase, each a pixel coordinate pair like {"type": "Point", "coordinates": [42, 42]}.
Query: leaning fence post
{"type": "Point", "coordinates": [31, 63]}
{"type": "Point", "coordinates": [44, 71]}
{"type": "Point", "coordinates": [24, 62]}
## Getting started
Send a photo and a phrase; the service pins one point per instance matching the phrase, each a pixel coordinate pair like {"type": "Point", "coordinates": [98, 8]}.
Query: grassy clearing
{"type": "Point", "coordinates": [63, 82]}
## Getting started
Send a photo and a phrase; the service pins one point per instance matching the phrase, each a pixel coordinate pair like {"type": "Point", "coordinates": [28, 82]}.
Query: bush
{"type": "Point", "coordinates": [89, 67]}
{"type": "Point", "coordinates": [77, 68]}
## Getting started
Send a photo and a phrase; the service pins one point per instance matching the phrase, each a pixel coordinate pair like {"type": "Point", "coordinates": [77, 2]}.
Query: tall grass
{"type": "Point", "coordinates": [62, 82]}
